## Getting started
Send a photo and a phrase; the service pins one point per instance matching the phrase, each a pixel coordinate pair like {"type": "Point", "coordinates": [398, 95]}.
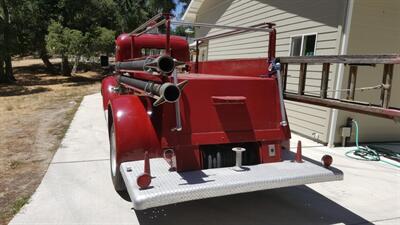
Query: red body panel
{"type": "Point", "coordinates": [224, 106]}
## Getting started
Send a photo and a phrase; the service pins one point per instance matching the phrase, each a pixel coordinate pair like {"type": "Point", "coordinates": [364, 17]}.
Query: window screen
{"type": "Point", "coordinates": [296, 46]}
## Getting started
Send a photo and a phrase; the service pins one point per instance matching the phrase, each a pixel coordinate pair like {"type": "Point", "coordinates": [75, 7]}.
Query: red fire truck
{"type": "Point", "coordinates": [182, 130]}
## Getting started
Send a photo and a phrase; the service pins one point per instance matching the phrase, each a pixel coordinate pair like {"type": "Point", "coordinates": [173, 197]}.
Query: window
{"type": "Point", "coordinates": [303, 45]}
{"type": "Point", "coordinates": [203, 52]}
{"type": "Point", "coordinates": [296, 46]}
{"type": "Point", "coordinates": [152, 51]}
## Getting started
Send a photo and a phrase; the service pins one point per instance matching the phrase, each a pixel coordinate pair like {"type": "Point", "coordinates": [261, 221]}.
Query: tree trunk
{"type": "Point", "coordinates": [2, 74]}
{"type": "Point", "coordinates": [6, 55]}
{"type": "Point", "coordinates": [65, 69]}
{"type": "Point", "coordinates": [46, 59]}
{"type": "Point", "coordinates": [9, 69]}
{"type": "Point", "coordinates": [75, 67]}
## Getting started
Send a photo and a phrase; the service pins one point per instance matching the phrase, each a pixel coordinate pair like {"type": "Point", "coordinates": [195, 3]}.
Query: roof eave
{"type": "Point", "coordinates": [191, 11]}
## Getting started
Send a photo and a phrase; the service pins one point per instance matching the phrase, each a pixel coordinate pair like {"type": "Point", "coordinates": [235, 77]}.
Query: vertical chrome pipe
{"type": "Point", "coordinates": [177, 107]}
{"type": "Point", "coordinates": [280, 90]}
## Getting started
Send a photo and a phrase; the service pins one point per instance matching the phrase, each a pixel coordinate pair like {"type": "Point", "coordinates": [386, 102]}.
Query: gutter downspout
{"type": "Point", "coordinates": [339, 80]}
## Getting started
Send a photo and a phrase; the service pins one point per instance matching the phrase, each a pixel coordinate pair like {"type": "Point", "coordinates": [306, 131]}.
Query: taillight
{"type": "Point", "coordinates": [327, 160]}
{"type": "Point", "coordinates": [143, 180]}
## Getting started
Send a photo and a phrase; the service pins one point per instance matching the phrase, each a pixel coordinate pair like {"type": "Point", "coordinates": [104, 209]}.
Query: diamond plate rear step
{"type": "Point", "coordinates": [173, 187]}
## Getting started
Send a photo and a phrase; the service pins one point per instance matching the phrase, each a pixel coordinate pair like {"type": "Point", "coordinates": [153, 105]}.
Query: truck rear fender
{"type": "Point", "coordinates": [107, 86]}
{"type": "Point", "coordinates": [134, 130]}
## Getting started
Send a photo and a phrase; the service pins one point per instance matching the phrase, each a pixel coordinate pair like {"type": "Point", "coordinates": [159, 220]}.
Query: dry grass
{"type": "Point", "coordinates": [34, 115]}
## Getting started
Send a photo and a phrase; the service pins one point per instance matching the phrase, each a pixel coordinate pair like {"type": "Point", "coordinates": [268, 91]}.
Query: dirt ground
{"type": "Point", "coordinates": [34, 115]}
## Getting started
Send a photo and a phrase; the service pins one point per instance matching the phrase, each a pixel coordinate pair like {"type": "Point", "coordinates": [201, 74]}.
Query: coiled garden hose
{"type": "Point", "coordinates": [366, 153]}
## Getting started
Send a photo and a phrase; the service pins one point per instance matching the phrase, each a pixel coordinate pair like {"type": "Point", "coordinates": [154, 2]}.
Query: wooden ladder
{"type": "Point", "coordinates": [349, 104]}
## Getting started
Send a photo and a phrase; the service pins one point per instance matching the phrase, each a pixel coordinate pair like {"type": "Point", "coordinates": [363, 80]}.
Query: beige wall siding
{"type": "Point", "coordinates": [374, 30]}
{"type": "Point", "coordinates": [293, 17]}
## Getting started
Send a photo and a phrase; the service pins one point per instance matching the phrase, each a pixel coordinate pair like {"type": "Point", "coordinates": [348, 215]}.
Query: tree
{"type": "Point", "coordinates": [65, 42]}
{"type": "Point", "coordinates": [87, 27]}
{"type": "Point", "coordinates": [2, 74]}
{"type": "Point", "coordinates": [43, 11]}
{"type": "Point", "coordinates": [56, 44]}
{"type": "Point", "coordinates": [6, 76]}
{"type": "Point", "coordinates": [76, 45]}
{"type": "Point", "coordinates": [182, 31]}
{"type": "Point", "coordinates": [103, 40]}
{"type": "Point", "coordinates": [24, 27]}
{"type": "Point", "coordinates": [30, 20]}
{"type": "Point", "coordinates": [133, 13]}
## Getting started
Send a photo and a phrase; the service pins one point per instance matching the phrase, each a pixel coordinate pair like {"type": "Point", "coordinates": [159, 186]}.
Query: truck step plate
{"type": "Point", "coordinates": [173, 187]}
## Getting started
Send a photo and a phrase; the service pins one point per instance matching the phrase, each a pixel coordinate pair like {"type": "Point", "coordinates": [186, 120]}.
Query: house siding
{"type": "Point", "coordinates": [292, 17]}
{"type": "Point", "coordinates": [374, 30]}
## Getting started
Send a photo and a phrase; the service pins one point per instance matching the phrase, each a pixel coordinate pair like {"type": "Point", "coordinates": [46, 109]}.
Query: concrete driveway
{"type": "Point", "coordinates": [77, 189]}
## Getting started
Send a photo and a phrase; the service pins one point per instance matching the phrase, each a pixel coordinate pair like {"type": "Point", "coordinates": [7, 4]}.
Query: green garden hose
{"type": "Point", "coordinates": [368, 154]}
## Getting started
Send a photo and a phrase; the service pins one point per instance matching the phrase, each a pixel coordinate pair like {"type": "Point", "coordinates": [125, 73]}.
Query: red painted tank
{"type": "Point", "coordinates": [131, 46]}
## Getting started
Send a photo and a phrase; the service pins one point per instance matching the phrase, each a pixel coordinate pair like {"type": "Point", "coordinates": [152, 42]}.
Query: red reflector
{"type": "Point", "coordinates": [144, 180]}
{"type": "Point", "coordinates": [327, 160]}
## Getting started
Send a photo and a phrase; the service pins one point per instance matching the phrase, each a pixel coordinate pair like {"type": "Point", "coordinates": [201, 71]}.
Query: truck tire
{"type": "Point", "coordinates": [116, 176]}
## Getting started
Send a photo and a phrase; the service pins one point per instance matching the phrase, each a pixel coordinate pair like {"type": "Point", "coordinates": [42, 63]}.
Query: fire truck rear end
{"type": "Point", "coordinates": [182, 130]}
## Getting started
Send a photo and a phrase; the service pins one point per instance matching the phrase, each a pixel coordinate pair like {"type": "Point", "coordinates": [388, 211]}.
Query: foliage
{"type": "Point", "coordinates": [72, 27]}
{"type": "Point", "coordinates": [19, 203]}
{"type": "Point", "coordinates": [29, 22]}
{"type": "Point", "coordinates": [65, 41]}
{"type": "Point", "coordinates": [103, 40]}
{"type": "Point", "coordinates": [132, 13]}
{"type": "Point", "coordinates": [181, 31]}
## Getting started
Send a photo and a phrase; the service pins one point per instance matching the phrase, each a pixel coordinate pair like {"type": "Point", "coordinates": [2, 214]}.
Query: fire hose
{"type": "Point", "coordinates": [366, 153]}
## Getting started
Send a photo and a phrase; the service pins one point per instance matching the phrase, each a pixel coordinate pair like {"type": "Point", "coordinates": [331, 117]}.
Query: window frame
{"type": "Point", "coordinates": [302, 43]}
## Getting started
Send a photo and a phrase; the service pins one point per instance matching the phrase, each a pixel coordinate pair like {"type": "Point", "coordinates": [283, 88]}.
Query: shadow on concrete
{"type": "Point", "coordinates": [292, 205]}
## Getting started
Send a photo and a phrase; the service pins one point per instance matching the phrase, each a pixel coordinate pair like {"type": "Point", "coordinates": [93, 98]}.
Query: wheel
{"type": "Point", "coordinates": [116, 176]}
